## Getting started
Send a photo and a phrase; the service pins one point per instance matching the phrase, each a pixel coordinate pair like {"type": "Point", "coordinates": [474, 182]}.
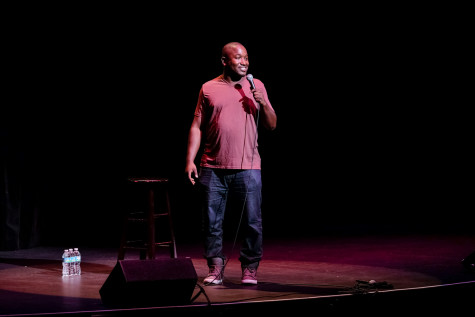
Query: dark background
{"type": "Point", "coordinates": [370, 135]}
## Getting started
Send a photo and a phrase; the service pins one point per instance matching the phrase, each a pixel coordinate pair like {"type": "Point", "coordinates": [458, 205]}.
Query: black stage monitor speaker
{"type": "Point", "coordinates": [149, 283]}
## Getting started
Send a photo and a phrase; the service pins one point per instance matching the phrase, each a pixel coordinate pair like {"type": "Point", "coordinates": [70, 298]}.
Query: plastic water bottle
{"type": "Point", "coordinates": [77, 262]}
{"type": "Point", "coordinates": [71, 261]}
{"type": "Point", "coordinates": [66, 262]}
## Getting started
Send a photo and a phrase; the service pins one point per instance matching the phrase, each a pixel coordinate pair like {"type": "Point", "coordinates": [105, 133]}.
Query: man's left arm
{"type": "Point", "coordinates": [268, 116]}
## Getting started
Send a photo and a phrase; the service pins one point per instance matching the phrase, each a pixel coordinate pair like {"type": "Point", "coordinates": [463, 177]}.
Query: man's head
{"type": "Point", "coordinates": [235, 60]}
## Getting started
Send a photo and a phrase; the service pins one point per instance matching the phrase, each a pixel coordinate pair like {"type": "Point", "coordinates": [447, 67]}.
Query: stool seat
{"type": "Point", "coordinates": [150, 203]}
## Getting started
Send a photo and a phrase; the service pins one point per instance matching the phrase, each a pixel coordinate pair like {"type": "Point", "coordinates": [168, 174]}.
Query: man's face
{"type": "Point", "coordinates": [237, 60]}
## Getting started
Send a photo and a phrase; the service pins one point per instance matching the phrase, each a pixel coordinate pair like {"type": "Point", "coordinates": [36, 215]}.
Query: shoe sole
{"type": "Point", "coordinates": [215, 282]}
{"type": "Point", "coordinates": [253, 282]}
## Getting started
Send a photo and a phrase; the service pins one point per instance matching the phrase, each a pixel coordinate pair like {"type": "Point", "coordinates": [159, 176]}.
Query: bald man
{"type": "Point", "coordinates": [226, 120]}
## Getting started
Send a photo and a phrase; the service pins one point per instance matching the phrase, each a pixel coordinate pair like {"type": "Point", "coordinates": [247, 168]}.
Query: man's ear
{"type": "Point", "coordinates": [223, 60]}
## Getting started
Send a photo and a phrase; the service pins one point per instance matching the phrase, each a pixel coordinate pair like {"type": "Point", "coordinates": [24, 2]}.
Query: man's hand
{"type": "Point", "coordinates": [192, 172]}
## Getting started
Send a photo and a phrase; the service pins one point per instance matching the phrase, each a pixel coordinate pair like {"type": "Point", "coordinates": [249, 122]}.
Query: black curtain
{"type": "Point", "coordinates": [369, 131]}
{"type": "Point", "coordinates": [21, 187]}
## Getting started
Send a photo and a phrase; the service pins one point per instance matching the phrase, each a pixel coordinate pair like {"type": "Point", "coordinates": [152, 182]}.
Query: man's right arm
{"type": "Point", "coordinates": [194, 141]}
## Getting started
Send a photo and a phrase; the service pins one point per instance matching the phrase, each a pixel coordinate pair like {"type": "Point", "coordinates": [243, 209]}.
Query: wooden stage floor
{"type": "Point", "coordinates": [327, 274]}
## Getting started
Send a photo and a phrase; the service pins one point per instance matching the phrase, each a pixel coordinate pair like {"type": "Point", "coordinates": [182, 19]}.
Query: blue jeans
{"type": "Point", "coordinates": [244, 188]}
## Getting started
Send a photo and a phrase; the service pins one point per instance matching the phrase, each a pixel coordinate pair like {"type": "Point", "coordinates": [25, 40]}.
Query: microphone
{"type": "Point", "coordinates": [251, 81]}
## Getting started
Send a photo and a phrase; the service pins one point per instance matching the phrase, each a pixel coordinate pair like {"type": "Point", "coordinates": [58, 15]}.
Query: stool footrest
{"type": "Point", "coordinates": [142, 245]}
{"type": "Point", "coordinates": [168, 243]}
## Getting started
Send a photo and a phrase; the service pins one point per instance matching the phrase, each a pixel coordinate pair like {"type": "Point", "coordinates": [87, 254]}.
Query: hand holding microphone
{"type": "Point", "coordinates": [258, 96]}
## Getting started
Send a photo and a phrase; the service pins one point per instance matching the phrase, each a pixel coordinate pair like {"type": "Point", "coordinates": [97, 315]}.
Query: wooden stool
{"type": "Point", "coordinates": [155, 205]}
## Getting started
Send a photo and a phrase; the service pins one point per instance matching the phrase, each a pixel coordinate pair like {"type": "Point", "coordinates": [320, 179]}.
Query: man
{"type": "Point", "coordinates": [226, 118]}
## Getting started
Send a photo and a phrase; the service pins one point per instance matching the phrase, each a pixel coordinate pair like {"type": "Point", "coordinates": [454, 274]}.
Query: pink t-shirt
{"type": "Point", "coordinates": [229, 113]}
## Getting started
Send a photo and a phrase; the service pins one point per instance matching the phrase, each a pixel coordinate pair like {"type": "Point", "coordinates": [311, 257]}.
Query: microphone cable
{"type": "Point", "coordinates": [247, 185]}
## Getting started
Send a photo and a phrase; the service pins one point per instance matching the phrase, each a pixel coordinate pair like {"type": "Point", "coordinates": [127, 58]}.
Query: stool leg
{"type": "Point", "coordinates": [170, 224]}
{"type": "Point", "coordinates": [151, 225]}
{"type": "Point", "coordinates": [123, 238]}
